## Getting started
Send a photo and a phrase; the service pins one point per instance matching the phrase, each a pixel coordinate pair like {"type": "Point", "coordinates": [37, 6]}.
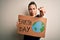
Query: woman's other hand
{"type": "Point", "coordinates": [17, 23]}
{"type": "Point", "coordinates": [42, 9]}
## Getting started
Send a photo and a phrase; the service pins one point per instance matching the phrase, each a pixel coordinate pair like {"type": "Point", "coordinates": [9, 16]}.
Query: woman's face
{"type": "Point", "coordinates": [32, 10]}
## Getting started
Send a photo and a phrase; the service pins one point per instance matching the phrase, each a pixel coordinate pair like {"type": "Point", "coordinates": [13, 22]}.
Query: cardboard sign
{"type": "Point", "coordinates": [32, 26]}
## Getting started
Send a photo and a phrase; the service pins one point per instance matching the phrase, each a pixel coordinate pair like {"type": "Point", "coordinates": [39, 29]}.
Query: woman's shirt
{"type": "Point", "coordinates": [27, 37]}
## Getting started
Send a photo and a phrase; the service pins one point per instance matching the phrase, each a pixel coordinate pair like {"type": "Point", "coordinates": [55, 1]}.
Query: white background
{"type": "Point", "coordinates": [9, 10]}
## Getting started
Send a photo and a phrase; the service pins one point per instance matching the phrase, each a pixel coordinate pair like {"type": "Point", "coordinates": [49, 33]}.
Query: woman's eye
{"type": "Point", "coordinates": [30, 9]}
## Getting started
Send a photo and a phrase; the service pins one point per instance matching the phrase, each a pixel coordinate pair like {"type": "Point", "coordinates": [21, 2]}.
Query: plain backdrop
{"type": "Point", "coordinates": [9, 10]}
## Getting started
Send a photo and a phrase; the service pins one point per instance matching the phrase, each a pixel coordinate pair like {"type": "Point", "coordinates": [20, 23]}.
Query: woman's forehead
{"type": "Point", "coordinates": [32, 6]}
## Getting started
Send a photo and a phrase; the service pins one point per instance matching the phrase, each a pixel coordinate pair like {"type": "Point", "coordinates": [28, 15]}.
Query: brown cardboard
{"type": "Point", "coordinates": [25, 25]}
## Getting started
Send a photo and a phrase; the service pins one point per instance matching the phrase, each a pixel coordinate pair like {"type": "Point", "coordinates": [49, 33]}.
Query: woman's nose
{"type": "Point", "coordinates": [32, 10]}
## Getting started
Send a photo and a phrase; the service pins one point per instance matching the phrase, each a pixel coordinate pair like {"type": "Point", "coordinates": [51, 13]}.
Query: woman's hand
{"type": "Point", "coordinates": [42, 9]}
{"type": "Point", "coordinates": [17, 23]}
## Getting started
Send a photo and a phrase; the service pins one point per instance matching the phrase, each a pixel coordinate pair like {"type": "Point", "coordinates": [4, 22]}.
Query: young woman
{"type": "Point", "coordinates": [32, 7]}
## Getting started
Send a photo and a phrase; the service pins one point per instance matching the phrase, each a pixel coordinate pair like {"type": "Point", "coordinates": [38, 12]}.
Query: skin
{"type": "Point", "coordinates": [33, 10]}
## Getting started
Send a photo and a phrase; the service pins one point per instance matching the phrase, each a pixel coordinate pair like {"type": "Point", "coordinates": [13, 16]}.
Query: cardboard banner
{"type": "Point", "coordinates": [32, 26]}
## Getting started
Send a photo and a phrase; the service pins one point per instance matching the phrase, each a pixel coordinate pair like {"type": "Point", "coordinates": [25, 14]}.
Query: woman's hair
{"type": "Point", "coordinates": [31, 4]}
{"type": "Point", "coordinates": [41, 12]}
